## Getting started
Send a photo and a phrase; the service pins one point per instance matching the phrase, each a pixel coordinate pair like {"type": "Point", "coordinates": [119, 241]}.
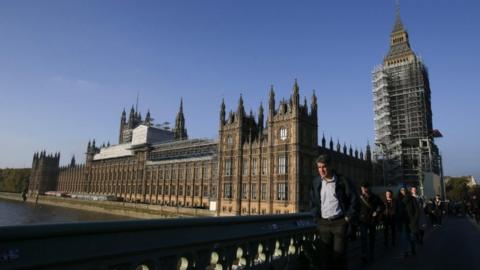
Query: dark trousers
{"type": "Point", "coordinates": [390, 231]}
{"type": "Point", "coordinates": [367, 239]}
{"type": "Point", "coordinates": [333, 242]}
{"type": "Point", "coordinates": [438, 217]}
{"type": "Point", "coordinates": [419, 236]}
{"type": "Point", "coordinates": [406, 237]}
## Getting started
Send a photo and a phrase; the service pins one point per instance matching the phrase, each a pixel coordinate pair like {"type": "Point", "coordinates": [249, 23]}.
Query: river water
{"type": "Point", "coordinates": [20, 213]}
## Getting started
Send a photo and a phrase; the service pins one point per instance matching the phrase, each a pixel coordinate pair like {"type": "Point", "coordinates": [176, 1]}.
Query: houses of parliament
{"type": "Point", "coordinates": [257, 165]}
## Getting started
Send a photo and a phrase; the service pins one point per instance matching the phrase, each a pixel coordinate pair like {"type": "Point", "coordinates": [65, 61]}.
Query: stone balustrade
{"type": "Point", "coordinates": [247, 242]}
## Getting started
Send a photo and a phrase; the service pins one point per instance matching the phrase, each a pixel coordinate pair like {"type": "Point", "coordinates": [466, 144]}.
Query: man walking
{"type": "Point", "coordinates": [422, 218]}
{"type": "Point", "coordinates": [334, 202]}
{"type": "Point", "coordinates": [437, 210]}
{"type": "Point", "coordinates": [389, 218]}
{"type": "Point", "coordinates": [371, 207]}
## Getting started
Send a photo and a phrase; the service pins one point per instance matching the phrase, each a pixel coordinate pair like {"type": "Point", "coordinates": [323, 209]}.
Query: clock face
{"type": "Point", "coordinates": [283, 134]}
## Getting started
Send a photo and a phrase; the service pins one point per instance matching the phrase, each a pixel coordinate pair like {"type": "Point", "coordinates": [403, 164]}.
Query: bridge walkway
{"type": "Point", "coordinates": [455, 245]}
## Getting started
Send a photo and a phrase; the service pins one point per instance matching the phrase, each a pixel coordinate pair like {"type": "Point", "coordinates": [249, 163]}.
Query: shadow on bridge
{"type": "Point", "coordinates": [454, 245]}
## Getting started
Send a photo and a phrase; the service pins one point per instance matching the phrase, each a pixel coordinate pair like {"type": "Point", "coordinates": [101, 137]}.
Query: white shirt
{"type": "Point", "coordinates": [329, 202]}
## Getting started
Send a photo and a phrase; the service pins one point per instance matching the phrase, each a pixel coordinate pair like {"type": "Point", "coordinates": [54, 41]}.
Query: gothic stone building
{"type": "Point", "coordinates": [256, 166]}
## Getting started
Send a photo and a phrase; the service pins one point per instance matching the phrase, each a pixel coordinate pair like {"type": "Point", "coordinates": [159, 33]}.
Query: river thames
{"type": "Point", "coordinates": [19, 213]}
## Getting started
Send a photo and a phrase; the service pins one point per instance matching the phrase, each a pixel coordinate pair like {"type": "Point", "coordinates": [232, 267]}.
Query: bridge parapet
{"type": "Point", "coordinates": [247, 242]}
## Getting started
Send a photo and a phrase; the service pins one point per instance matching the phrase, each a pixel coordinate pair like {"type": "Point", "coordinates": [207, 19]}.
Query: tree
{"type": "Point", "coordinates": [14, 180]}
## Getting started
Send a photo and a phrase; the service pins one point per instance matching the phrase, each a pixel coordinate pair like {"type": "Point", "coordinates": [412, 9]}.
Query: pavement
{"type": "Point", "coordinates": [454, 245]}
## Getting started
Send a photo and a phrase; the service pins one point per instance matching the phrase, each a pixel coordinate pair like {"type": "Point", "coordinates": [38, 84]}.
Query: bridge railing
{"type": "Point", "coordinates": [248, 242]}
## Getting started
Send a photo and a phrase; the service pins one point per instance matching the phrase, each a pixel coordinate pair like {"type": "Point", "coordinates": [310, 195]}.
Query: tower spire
{"type": "Point", "coordinates": [398, 26]}
{"type": "Point", "coordinates": [400, 50]}
{"type": "Point", "coordinates": [271, 104]}
{"type": "Point", "coordinates": [222, 112]}
{"type": "Point", "coordinates": [180, 133]}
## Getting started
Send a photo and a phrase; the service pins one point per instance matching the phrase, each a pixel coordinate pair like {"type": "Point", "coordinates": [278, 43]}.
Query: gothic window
{"type": "Point", "coordinates": [174, 189]}
{"type": "Point", "coordinates": [196, 191]}
{"type": "Point", "coordinates": [205, 190]}
{"type": "Point", "coordinates": [189, 190]}
{"type": "Point", "coordinates": [282, 191]}
{"type": "Point", "coordinates": [245, 167]}
{"type": "Point", "coordinates": [229, 140]}
{"type": "Point", "coordinates": [228, 167]}
{"type": "Point", "coordinates": [283, 134]}
{"type": "Point", "coordinates": [254, 191]}
{"type": "Point", "coordinates": [244, 191]}
{"type": "Point", "coordinates": [263, 192]}
{"type": "Point", "coordinates": [180, 190]}
{"type": "Point", "coordinates": [254, 166]}
{"type": "Point", "coordinates": [227, 190]}
{"type": "Point", "coordinates": [282, 164]}
{"type": "Point", "coordinates": [264, 166]}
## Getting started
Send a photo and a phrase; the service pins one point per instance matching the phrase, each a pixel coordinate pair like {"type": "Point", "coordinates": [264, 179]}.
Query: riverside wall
{"type": "Point", "coordinates": [135, 210]}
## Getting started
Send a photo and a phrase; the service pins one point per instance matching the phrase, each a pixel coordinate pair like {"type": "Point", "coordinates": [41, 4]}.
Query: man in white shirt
{"type": "Point", "coordinates": [334, 202]}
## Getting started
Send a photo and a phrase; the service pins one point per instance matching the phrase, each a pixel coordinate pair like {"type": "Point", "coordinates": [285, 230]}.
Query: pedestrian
{"type": "Point", "coordinates": [431, 215]}
{"type": "Point", "coordinates": [334, 202]}
{"type": "Point", "coordinates": [388, 218]}
{"type": "Point", "coordinates": [371, 207]}
{"type": "Point", "coordinates": [475, 204]}
{"type": "Point", "coordinates": [422, 218]}
{"type": "Point", "coordinates": [437, 210]}
{"type": "Point", "coordinates": [407, 221]}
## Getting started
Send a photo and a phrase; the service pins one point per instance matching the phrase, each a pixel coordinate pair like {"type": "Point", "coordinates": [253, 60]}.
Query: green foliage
{"type": "Point", "coordinates": [457, 189]}
{"type": "Point", "coordinates": [14, 180]}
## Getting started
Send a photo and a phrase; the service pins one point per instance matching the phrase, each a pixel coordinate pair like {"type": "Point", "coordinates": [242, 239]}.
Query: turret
{"type": "Point", "coordinates": [123, 123]}
{"type": "Point", "coordinates": [131, 118]}
{"type": "Point", "coordinates": [72, 162]}
{"type": "Point", "coordinates": [295, 96]}
{"type": "Point", "coordinates": [180, 133]}
{"type": "Point", "coordinates": [271, 104]}
{"type": "Point", "coordinates": [148, 119]}
{"type": "Point", "coordinates": [222, 113]}
{"type": "Point", "coordinates": [240, 109]}
{"type": "Point", "coordinates": [314, 105]}
{"type": "Point", "coordinates": [368, 152]}
{"type": "Point", "coordinates": [260, 119]}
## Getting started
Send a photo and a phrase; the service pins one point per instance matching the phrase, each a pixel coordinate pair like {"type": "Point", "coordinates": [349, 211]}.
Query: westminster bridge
{"type": "Point", "coordinates": [247, 242]}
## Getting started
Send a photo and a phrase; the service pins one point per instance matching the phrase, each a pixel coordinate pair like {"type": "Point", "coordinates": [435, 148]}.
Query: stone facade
{"type": "Point", "coordinates": [256, 166]}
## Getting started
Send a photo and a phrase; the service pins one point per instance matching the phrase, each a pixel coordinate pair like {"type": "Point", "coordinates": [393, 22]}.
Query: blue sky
{"type": "Point", "coordinates": [68, 68]}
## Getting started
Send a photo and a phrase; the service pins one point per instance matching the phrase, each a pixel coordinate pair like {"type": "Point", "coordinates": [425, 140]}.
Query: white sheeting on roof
{"type": "Point", "coordinates": [115, 151]}
{"type": "Point", "coordinates": [143, 134]}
